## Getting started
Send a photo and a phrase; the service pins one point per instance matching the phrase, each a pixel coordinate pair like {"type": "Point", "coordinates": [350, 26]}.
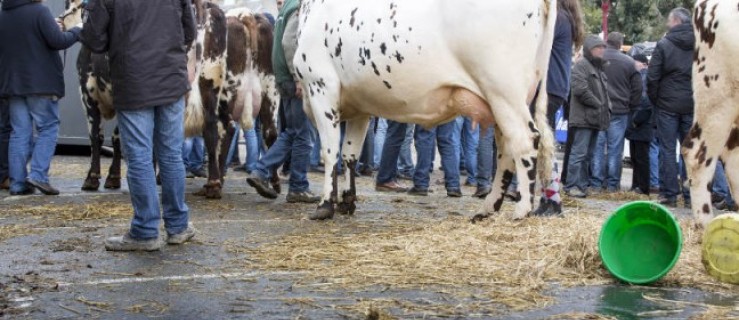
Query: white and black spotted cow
{"type": "Point", "coordinates": [427, 62]}
{"type": "Point", "coordinates": [714, 134]}
{"type": "Point", "coordinates": [97, 99]}
{"type": "Point", "coordinates": [231, 83]}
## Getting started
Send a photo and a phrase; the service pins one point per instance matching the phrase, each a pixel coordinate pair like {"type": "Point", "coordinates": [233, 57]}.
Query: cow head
{"type": "Point", "coordinates": [72, 15]}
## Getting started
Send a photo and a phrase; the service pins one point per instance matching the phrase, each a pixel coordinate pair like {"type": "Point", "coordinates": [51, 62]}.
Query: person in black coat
{"type": "Point", "coordinates": [31, 83]}
{"type": "Point", "coordinates": [670, 89]}
{"type": "Point", "coordinates": [640, 132]}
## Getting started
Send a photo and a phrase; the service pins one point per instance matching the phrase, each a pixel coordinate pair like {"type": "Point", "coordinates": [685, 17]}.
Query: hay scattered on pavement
{"type": "Point", "coordinates": [75, 211]}
{"type": "Point", "coordinates": [9, 232]}
{"type": "Point", "coordinates": [580, 316]}
{"type": "Point", "coordinates": [620, 196]}
{"type": "Point", "coordinates": [512, 263]}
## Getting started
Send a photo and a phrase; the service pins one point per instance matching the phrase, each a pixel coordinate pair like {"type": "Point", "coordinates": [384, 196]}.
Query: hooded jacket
{"type": "Point", "coordinates": [29, 55]}
{"type": "Point", "coordinates": [624, 81]}
{"type": "Point", "coordinates": [589, 101]}
{"type": "Point", "coordinates": [669, 83]}
{"type": "Point", "coordinates": [146, 43]}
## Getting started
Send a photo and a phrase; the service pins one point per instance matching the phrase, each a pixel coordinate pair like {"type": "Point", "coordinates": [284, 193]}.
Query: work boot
{"type": "Point", "coordinates": [200, 173]}
{"type": "Point", "coordinates": [183, 236]}
{"type": "Point", "coordinates": [302, 197]}
{"type": "Point", "coordinates": [44, 187]}
{"type": "Point", "coordinates": [126, 243]}
{"type": "Point", "coordinates": [669, 202]}
{"type": "Point", "coordinates": [262, 186]}
{"type": "Point", "coordinates": [419, 192]}
{"type": "Point", "coordinates": [454, 193]}
{"type": "Point", "coordinates": [391, 187]}
{"type": "Point", "coordinates": [482, 192]}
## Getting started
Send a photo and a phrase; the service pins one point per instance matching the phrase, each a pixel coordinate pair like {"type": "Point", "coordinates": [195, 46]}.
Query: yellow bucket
{"type": "Point", "coordinates": [721, 248]}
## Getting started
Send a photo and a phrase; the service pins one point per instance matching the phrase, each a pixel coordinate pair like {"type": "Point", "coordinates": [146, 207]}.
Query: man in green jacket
{"type": "Point", "coordinates": [589, 113]}
{"type": "Point", "coordinates": [295, 139]}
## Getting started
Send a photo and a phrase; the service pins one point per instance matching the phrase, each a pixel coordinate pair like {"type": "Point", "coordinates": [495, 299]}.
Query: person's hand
{"type": "Point", "coordinates": [60, 23]}
{"type": "Point", "coordinates": [298, 90]}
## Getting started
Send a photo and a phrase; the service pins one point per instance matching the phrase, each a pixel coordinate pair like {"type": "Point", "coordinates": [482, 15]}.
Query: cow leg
{"type": "Point", "coordinates": [701, 149]}
{"type": "Point", "coordinates": [356, 132]}
{"type": "Point", "coordinates": [113, 181]}
{"type": "Point", "coordinates": [502, 180]}
{"type": "Point", "coordinates": [226, 132]}
{"type": "Point", "coordinates": [95, 131]}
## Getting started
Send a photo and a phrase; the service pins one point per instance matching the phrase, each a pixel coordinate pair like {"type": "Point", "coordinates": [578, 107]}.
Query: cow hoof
{"type": "Point", "coordinates": [479, 218]}
{"type": "Point", "coordinates": [201, 193]}
{"type": "Point", "coordinates": [277, 187]}
{"type": "Point", "coordinates": [112, 183]}
{"type": "Point", "coordinates": [91, 184]}
{"type": "Point", "coordinates": [325, 211]}
{"type": "Point", "coordinates": [213, 193]}
{"type": "Point", "coordinates": [346, 208]}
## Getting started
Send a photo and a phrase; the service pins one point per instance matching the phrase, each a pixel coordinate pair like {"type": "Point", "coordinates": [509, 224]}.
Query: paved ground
{"type": "Point", "coordinates": [56, 267]}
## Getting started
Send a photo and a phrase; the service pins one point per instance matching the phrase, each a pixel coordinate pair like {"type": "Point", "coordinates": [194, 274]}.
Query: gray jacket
{"type": "Point", "coordinates": [589, 104]}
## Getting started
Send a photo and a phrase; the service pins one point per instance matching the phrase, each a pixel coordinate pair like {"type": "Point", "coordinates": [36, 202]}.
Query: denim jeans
{"type": "Point", "coordinates": [721, 185]}
{"type": "Point", "coordinates": [254, 146]}
{"type": "Point", "coordinates": [315, 154]}
{"type": "Point", "coordinates": [193, 153]}
{"type": "Point", "coordinates": [470, 139]}
{"type": "Point", "coordinates": [295, 140]}
{"type": "Point", "coordinates": [671, 127]}
{"type": "Point", "coordinates": [405, 161]}
{"type": "Point", "coordinates": [380, 134]}
{"type": "Point", "coordinates": [27, 114]}
{"type": "Point", "coordinates": [394, 139]}
{"type": "Point", "coordinates": [583, 145]}
{"type": "Point", "coordinates": [446, 135]}
{"type": "Point", "coordinates": [486, 158]}
{"type": "Point", "coordinates": [654, 162]}
{"type": "Point", "coordinates": [366, 159]}
{"type": "Point", "coordinates": [144, 131]}
{"type": "Point", "coordinates": [5, 130]}
{"type": "Point", "coordinates": [609, 153]}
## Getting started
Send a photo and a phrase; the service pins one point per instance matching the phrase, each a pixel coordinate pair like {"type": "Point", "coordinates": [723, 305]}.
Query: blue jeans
{"type": "Point", "coordinates": [193, 153]}
{"type": "Point", "coordinates": [294, 141]}
{"type": "Point", "coordinates": [445, 134]}
{"type": "Point", "coordinates": [486, 158]}
{"type": "Point", "coordinates": [581, 153]}
{"type": "Point", "coordinates": [654, 162]}
{"type": "Point", "coordinates": [405, 161]}
{"type": "Point", "coordinates": [671, 127]}
{"type": "Point", "coordinates": [315, 154]}
{"type": "Point", "coordinates": [606, 170]}
{"type": "Point", "coordinates": [366, 159]}
{"type": "Point", "coordinates": [27, 113]}
{"type": "Point", "coordinates": [5, 130]}
{"type": "Point", "coordinates": [254, 146]}
{"type": "Point", "coordinates": [394, 139]}
{"type": "Point", "coordinates": [380, 134]}
{"type": "Point", "coordinates": [470, 139]}
{"type": "Point", "coordinates": [721, 185]}
{"type": "Point", "coordinates": [143, 131]}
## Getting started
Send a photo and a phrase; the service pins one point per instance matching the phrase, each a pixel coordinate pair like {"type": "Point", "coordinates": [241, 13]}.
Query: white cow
{"type": "Point", "coordinates": [715, 86]}
{"type": "Point", "coordinates": [427, 62]}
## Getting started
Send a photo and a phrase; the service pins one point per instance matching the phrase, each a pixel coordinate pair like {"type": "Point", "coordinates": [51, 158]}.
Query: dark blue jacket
{"type": "Point", "coordinates": [29, 55]}
{"type": "Point", "coordinates": [641, 118]}
{"type": "Point", "coordinates": [560, 64]}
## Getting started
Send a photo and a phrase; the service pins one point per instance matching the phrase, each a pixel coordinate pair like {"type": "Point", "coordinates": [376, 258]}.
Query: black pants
{"type": "Point", "coordinates": [640, 161]}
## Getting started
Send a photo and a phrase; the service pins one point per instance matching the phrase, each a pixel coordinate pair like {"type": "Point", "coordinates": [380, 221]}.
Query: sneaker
{"type": "Point", "coordinates": [391, 187]}
{"type": "Point", "coordinates": [302, 197]}
{"type": "Point", "coordinates": [454, 193]}
{"type": "Point", "coordinates": [669, 202]}
{"type": "Point", "coordinates": [577, 193]}
{"type": "Point", "coordinates": [126, 243]}
{"type": "Point", "coordinates": [44, 187]}
{"type": "Point", "coordinates": [482, 192]}
{"type": "Point", "coordinates": [262, 186]}
{"type": "Point", "coordinates": [183, 236]}
{"type": "Point", "coordinates": [419, 192]}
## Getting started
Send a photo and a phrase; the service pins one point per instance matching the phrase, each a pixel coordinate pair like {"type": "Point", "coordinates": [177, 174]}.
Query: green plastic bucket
{"type": "Point", "coordinates": [640, 242]}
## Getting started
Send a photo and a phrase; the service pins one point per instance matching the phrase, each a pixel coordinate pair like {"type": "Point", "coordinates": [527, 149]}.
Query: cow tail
{"type": "Point", "coordinates": [194, 117]}
{"type": "Point", "coordinates": [546, 136]}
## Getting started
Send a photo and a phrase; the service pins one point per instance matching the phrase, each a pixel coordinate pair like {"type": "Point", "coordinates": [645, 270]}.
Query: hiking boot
{"type": "Point", "coordinates": [126, 243]}
{"type": "Point", "coordinates": [482, 192]}
{"type": "Point", "coordinates": [391, 187]}
{"type": "Point", "coordinates": [404, 176]}
{"type": "Point", "coordinates": [44, 187]}
{"type": "Point", "coordinates": [183, 236]}
{"type": "Point", "coordinates": [669, 202]}
{"type": "Point", "coordinates": [418, 192]}
{"type": "Point", "coordinates": [577, 193]}
{"type": "Point", "coordinates": [302, 197]}
{"type": "Point", "coordinates": [454, 193]}
{"type": "Point", "coordinates": [262, 186]}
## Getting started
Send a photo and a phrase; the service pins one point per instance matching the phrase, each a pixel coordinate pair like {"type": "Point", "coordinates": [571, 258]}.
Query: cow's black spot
{"type": "Point", "coordinates": [536, 142]}
{"type": "Point", "coordinates": [733, 141]}
{"type": "Point", "coordinates": [329, 116]}
{"type": "Point", "coordinates": [701, 69]}
{"type": "Point", "coordinates": [379, 20]}
{"type": "Point", "coordinates": [707, 81]}
{"type": "Point", "coordinates": [410, 29]}
{"type": "Point", "coordinates": [708, 162]}
{"type": "Point", "coordinates": [383, 48]}
{"type": "Point", "coordinates": [529, 15]}
{"type": "Point", "coordinates": [374, 67]}
{"type": "Point", "coordinates": [526, 163]}
{"type": "Point", "coordinates": [349, 143]}
{"type": "Point", "coordinates": [702, 151]}
{"type": "Point", "coordinates": [325, 42]}
{"type": "Point", "coordinates": [328, 150]}
{"type": "Point", "coordinates": [705, 28]}
{"type": "Point", "coordinates": [304, 57]}
{"type": "Point", "coordinates": [367, 53]}
{"type": "Point", "coordinates": [351, 22]}
{"type": "Point", "coordinates": [338, 48]}
{"type": "Point", "coordinates": [532, 127]}
{"type": "Point", "coordinates": [706, 208]}
{"type": "Point", "coordinates": [300, 75]}
{"type": "Point", "coordinates": [388, 69]}
{"type": "Point", "coordinates": [399, 57]}
{"type": "Point", "coordinates": [531, 174]}
{"type": "Point", "coordinates": [387, 84]}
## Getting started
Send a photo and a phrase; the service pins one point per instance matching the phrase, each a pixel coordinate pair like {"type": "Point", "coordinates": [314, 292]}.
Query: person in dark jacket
{"type": "Point", "coordinates": [147, 44]}
{"type": "Point", "coordinates": [670, 89]}
{"type": "Point", "coordinates": [32, 82]}
{"type": "Point", "coordinates": [589, 113]}
{"type": "Point", "coordinates": [625, 92]}
{"type": "Point", "coordinates": [640, 132]}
